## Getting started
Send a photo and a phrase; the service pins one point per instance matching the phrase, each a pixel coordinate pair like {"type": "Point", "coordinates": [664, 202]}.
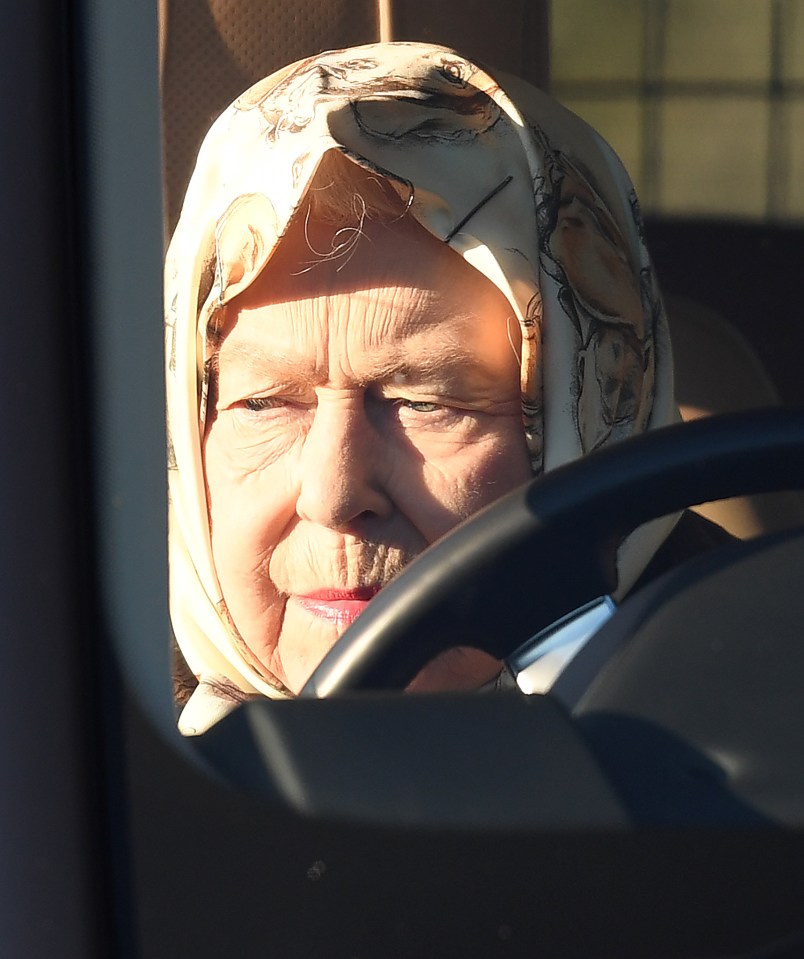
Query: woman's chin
{"type": "Point", "coordinates": [311, 629]}
{"type": "Point", "coordinates": [305, 640]}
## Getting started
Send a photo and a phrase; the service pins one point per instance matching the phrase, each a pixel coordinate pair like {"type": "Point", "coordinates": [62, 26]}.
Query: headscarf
{"type": "Point", "coordinates": [520, 187]}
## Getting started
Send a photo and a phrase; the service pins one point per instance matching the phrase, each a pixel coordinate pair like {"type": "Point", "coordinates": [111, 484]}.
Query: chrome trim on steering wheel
{"type": "Point", "coordinates": [538, 663]}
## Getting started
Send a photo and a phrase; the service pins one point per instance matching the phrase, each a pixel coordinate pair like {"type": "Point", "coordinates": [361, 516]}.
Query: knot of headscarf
{"type": "Point", "coordinates": [524, 190]}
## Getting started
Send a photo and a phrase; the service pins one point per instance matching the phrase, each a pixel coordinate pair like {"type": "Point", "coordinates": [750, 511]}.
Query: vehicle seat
{"type": "Point", "coordinates": [211, 50]}
{"type": "Point", "coordinates": [718, 372]}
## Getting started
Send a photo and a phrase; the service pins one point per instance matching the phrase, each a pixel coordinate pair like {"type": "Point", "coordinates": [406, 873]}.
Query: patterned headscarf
{"type": "Point", "coordinates": [524, 190]}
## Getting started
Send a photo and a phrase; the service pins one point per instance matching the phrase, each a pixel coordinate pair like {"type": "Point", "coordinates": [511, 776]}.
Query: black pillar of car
{"type": "Point", "coordinates": [51, 868]}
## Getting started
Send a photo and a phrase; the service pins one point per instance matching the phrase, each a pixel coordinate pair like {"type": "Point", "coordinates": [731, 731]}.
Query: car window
{"type": "Point", "coordinates": [181, 862]}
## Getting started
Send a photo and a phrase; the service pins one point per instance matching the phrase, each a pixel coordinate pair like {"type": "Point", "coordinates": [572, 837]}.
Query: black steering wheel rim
{"type": "Point", "coordinates": [468, 588]}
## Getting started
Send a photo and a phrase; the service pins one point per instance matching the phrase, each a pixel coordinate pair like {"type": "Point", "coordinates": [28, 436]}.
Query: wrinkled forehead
{"type": "Point", "coordinates": [345, 241]}
{"type": "Point", "coordinates": [354, 231]}
{"type": "Point", "coordinates": [321, 260]}
{"type": "Point", "coordinates": [389, 273]}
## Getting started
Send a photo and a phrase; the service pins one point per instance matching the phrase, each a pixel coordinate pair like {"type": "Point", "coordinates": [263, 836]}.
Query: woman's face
{"type": "Point", "coordinates": [363, 406]}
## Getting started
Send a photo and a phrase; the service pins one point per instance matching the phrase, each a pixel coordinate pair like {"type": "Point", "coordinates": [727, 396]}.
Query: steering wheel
{"type": "Point", "coordinates": [483, 584]}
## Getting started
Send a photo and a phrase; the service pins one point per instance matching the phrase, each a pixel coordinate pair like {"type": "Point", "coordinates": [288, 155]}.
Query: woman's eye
{"type": "Point", "coordinates": [420, 406]}
{"type": "Point", "coordinates": [258, 404]}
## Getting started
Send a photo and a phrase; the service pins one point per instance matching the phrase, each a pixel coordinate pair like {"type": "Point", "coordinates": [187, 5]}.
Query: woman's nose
{"type": "Point", "coordinates": [340, 480]}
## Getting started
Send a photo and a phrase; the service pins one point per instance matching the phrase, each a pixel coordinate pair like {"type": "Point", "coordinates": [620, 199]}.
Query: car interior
{"type": "Point", "coordinates": [652, 803]}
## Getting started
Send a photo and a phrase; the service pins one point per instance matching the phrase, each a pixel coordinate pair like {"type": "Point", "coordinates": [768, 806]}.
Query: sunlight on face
{"type": "Point", "coordinates": [361, 410]}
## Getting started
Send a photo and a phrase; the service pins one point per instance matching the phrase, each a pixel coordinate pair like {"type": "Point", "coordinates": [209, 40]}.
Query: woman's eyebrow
{"type": "Point", "coordinates": [451, 361]}
{"type": "Point", "coordinates": [431, 367]}
{"type": "Point", "coordinates": [255, 358]}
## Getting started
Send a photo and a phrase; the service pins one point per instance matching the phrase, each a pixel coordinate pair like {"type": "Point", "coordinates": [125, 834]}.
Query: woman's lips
{"type": "Point", "coordinates": [341, 607]}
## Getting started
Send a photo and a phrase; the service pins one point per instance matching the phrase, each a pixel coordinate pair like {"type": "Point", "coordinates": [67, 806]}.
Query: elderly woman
{"type": "Point", "coordinates": [400, 287]}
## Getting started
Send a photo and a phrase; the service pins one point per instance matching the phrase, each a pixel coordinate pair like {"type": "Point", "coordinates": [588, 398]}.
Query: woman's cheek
{"type": "Point", "coordinates": [250, 505]}
{"type": "Point", "coordinates": [452, 487]}
{"type": "Point", "coordinates": [247, 446]}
